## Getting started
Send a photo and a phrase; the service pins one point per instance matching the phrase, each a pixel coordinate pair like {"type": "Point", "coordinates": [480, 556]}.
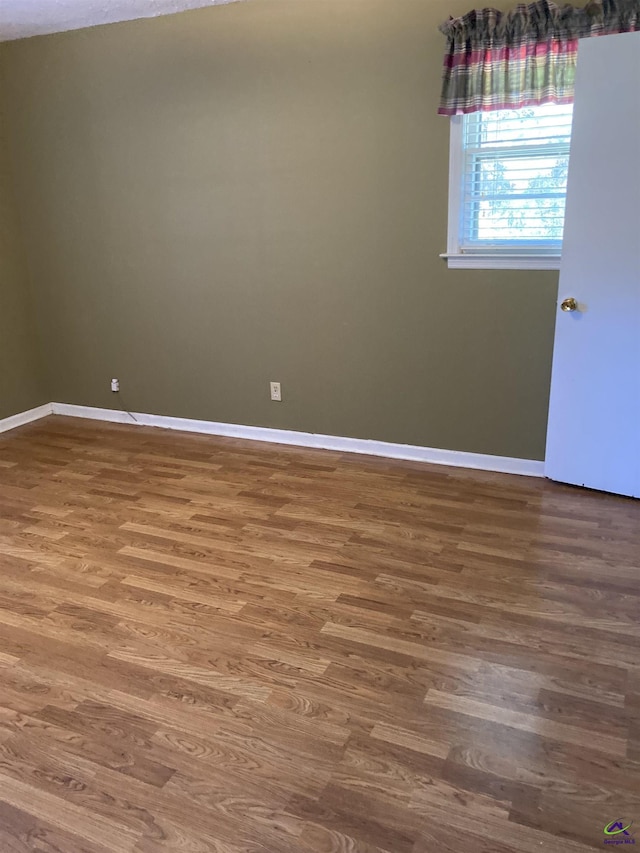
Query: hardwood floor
{"type": "Point", "coordinates": [215, 646]}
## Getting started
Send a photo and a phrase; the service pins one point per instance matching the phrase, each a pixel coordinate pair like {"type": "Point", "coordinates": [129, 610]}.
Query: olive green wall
{"type": "Point", "coordinates": [20, 385]}
{"type": "Point", "coordinates": [259, 191]}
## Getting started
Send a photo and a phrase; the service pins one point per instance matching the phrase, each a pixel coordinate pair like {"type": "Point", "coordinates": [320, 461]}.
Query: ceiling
{"type": "Point", "coordinates": [23, 18]}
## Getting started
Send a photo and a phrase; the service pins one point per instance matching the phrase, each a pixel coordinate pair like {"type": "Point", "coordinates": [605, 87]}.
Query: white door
{"type": "Point", "coordinates": [593, 435]}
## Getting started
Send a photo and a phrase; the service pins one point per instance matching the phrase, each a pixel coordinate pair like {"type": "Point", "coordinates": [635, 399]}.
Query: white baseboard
{"type": "Point", "coordinates": [456, 458]}
{"type": "Point", "coordinates": [26, 417]}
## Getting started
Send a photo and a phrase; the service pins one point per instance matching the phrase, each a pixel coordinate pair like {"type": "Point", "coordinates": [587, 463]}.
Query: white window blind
{"type": "Point", "coordinates": [514, 179]}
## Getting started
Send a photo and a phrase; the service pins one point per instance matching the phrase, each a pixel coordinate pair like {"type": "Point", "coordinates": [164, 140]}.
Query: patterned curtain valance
{"type": "Point", "coordinates": [508, 60]}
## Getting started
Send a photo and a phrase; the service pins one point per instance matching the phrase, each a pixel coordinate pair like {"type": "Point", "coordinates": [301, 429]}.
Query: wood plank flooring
{"type": "Point", "coordinates": [216, 646]}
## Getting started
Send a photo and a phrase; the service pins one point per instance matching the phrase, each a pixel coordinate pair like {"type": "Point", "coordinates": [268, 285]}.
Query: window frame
{"type": "Point", "coordinates": [507, 258]}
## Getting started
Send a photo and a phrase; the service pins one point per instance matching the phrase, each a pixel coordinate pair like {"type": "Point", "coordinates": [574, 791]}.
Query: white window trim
{"type": "Point", "coordinates": [477, 260]}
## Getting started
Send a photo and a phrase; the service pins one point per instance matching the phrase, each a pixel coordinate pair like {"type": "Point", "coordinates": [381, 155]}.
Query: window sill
{"type": "Point", "coordinates": [502, 262]}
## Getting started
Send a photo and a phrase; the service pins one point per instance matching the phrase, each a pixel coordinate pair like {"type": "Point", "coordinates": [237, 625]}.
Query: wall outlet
{"type": "Point", "coordinates": [115, 385]}
{"type": "Point", "coordinates": [276, 392]}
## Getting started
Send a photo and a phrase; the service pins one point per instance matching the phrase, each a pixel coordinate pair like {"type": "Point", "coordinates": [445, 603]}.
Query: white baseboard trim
{"type": "Point", "coordinates": [456, 458]}
{"type": "Point", "coordinates": [26, 417]}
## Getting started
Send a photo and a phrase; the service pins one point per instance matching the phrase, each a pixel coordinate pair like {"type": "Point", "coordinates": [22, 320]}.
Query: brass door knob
{"type": "Point", "coordinates": [569, 304]}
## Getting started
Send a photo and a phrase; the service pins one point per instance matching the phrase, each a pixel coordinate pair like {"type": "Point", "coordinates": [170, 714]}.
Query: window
{"type": "Point", "coordinates": [507, 187]}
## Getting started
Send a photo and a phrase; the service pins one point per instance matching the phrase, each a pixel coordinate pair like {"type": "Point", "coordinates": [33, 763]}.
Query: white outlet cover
{"type": "Point", "coordinates": [276, 391]}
